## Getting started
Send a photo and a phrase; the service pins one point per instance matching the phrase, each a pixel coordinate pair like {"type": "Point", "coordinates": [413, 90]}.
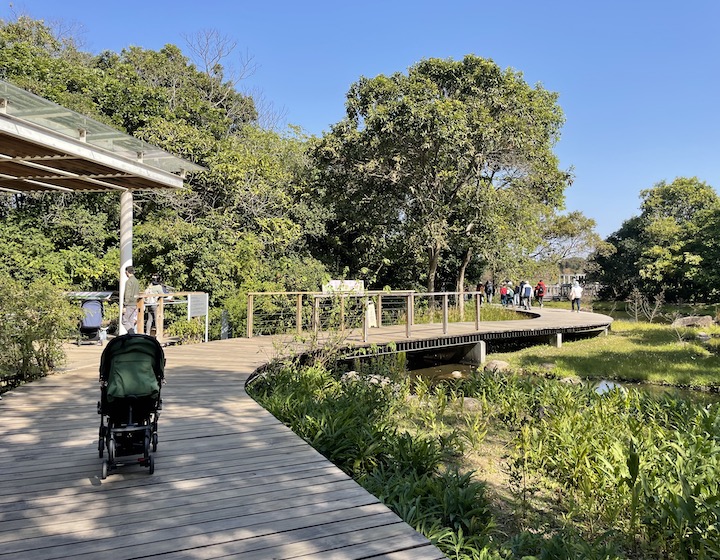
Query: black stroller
{"type": "Point", "coordinates": [132, 370]}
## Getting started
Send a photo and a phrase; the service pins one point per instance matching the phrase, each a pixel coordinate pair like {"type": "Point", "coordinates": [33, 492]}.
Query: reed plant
{"type": "Point", "coordinates": [646, 469]}
{"type": "Point", "coordinates": [630, 476]}
{"type": "Point", "coordinates": [358, 425]}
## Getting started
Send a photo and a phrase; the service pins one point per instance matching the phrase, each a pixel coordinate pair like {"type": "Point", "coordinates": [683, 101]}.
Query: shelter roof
{"type": "Point", "coordinates": [46, 147]}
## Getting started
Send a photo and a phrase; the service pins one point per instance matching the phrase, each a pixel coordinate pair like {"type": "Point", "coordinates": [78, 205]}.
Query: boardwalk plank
{"type": "Point", "coordinates": [230, 480]}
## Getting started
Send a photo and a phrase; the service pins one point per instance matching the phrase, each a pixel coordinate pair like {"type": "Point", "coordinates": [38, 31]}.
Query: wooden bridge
{"type": "Point", "coordinates": [230, 481]}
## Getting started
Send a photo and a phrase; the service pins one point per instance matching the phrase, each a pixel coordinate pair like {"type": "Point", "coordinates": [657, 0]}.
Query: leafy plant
{"type": "Point", "coordinates": [37, 320]}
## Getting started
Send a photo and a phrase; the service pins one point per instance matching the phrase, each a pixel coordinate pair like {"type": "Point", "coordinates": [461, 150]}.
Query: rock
{"type": "Point", "coordinates": [571, 380]}
{"type": "Point", "coordinates": [694, 321]}
{"type": "Point", "coordinates": [350, 376]}
{"type": "Point", "coordinates": [496, 365]}
{"type": "Point", "coordinates": [703, 336]}
{"type": "Point", "coordinates": [470, 403]}
{"type": "Point", "coordinates": [456, 374]}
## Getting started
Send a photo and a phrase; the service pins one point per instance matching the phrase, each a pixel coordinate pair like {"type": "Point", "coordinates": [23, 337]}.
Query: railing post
{"type": "Point", "coordinates": [298, 315]}
{"type": "Point", "coordinates": [316, 314]}
{"type": "Point", "coordinates": [366, 319]}
{"type": "Point", "coordinates": [342, 313]}
{"type": "Point", "coordinates": [160, 318]}
{"type": "Point", "coordinates": [250, 316]}
{"type": "Point", "coordinates": [140, 324]}
{"type": "Point", "coordinates": [378, 312]}
{"type": "Point", "coordinates": [445, 313]}
{"type": "Point", "coordinates": [461, 303]}
{"type": "Point", "coordinates": [410, 315]}
{"type": "Point", "coordinates": [477, 312]}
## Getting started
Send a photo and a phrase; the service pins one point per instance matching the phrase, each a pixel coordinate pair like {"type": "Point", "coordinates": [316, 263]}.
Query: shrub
{"type": "Point", "coordinates": [37, 319]}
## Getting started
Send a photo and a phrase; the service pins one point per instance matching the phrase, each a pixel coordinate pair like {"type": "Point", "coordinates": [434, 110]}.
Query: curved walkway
{"type": "Point", "coordinates": [231, 481]}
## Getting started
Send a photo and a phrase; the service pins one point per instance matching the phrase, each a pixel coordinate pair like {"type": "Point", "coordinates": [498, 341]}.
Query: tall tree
{"type": "Point", "coordinates": [664, 249]}
{"type": "Point", "coordinates": [419, 154]}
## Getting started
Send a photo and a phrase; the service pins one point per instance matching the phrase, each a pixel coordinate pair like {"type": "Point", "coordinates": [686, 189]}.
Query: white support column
{"type": "Point", "coordinates": [126, 224]}
{"type": "Point", "coordinates": [476, 355]}
{"type": "Point", "coordinates": [555, 340]}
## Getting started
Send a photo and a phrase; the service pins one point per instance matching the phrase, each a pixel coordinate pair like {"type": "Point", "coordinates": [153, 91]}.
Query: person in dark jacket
{"type": "Point", "coordinates": [489, 291]}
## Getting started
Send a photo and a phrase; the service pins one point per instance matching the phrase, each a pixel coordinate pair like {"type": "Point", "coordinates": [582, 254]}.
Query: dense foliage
{"type": "Point", "coordinates": [241, 225]}
{"type": "Point", "coordinates": [671, 248]}
{"type": "Point", "coordinates": [448, 169]}
{"type": "Point", "coordinates": [351, 423]}
{"type": "Point", "coordinates": [611, 476]}
{"type": "Point", "coordinates": [637, 472]}
{"type": "Point", "coordinates": [452, 158]}
{"type": "Point", "coordinates": [36, 321]}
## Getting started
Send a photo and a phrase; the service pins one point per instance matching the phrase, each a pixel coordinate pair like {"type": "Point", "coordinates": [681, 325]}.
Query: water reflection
{"type": "Point", "coordinates": [439, 372]}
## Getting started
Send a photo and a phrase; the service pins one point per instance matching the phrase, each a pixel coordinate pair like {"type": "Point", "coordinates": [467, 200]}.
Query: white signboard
{"type": "Point", "coordinates": [344, 286]}
{"type": "Point", "coordinates": [197, 305]}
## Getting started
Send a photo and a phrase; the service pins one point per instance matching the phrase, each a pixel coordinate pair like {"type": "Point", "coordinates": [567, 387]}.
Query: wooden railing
{"type": "Point", "coordinates": [276, 312]}
{"type": "Point", "coordinates": [173, 298]}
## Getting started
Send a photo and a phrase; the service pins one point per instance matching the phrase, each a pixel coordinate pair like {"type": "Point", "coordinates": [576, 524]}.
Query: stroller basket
{"type": "Point", "coordinates": [132, 370]}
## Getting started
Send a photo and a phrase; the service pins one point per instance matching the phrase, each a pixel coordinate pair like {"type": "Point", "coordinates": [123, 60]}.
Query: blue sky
{"type": "Point", "coordinates": [638, 79]}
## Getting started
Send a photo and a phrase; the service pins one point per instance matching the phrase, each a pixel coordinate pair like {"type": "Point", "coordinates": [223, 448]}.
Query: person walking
{"type": "Point", "coordinates": [155, 287]}
{"type": "Point", "coordinates": [130, 297]}
{"type": "Point", "coordinates": [526, 296]}
{"type": "Point", "coordinates": [489, 291]}
{"type": "Point", "coordinates": [540, 292]}
{"type": "Point", "coordinates": [575, 295]}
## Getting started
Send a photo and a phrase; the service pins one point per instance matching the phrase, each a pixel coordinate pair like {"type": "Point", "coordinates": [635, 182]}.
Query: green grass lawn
{"type": "Point", "coordinates": [653, 353]}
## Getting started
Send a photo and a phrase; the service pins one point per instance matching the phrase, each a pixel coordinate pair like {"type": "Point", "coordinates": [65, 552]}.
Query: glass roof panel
{"type": "Point", "coordinates": [29, 107]}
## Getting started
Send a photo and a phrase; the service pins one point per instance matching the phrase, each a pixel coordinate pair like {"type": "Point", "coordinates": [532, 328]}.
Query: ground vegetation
{"type": "Point", "coordinates": [528, 463]}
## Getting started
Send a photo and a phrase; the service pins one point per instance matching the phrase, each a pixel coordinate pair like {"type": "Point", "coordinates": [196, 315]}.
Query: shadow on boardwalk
{"type": "Point", "coordinates": [230, 479]}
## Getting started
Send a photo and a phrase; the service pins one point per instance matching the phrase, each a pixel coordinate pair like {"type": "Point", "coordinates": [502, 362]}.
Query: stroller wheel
{"type": "Point", "coordinates": [104, 474]}
{"type": "Point", "coordinates": [154, 441]}
{"type": "Point", "coordinates": [111, 449]}
{"type": "Point", "coordinates": [151, 464]}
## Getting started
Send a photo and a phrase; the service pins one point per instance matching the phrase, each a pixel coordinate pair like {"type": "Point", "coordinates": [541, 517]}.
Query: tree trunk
{"type": "Point", "coordinates": [434, 259]}
{"type": "Point", "coordinates": [460, 286]}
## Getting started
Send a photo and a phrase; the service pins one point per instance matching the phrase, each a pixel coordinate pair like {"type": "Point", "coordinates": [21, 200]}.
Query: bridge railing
{"type": "Point", "coordinates": [299, 312]}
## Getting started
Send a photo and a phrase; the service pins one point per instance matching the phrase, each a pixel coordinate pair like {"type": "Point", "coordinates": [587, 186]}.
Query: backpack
{"type": "Point", "coordinates": [540, 290]}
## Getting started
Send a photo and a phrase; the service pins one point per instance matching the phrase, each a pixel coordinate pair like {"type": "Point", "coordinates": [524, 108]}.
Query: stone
{"type": "Point", "coordinates": [456, 374]}
{"type": "Point", "coordinates": [470, 403]}
{"type": "Point", "coordinates": [701, 321]}
{"type": "Point", "coordinates": [571, 380]}
{"type": "Point", "coordinates": [497, 365]}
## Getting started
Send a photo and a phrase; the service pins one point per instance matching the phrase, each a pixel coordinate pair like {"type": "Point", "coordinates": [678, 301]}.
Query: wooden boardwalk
{"type": "Point", "coordinates": [230, 481]}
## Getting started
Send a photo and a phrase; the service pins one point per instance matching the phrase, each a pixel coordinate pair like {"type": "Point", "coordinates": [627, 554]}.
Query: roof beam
{"type": "Point", "coordinates": [70, 147]}
{"type": "Point", "coordinates": [61, 174]}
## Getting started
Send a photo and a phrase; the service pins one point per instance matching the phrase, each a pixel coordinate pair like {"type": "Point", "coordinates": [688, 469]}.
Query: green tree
{"type": "Point", "coordinates": [419, 155]}
{"type": "Point", "coordinates": [665, 249]}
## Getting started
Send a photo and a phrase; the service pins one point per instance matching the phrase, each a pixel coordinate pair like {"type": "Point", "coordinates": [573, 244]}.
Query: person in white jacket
{"type": "Point", "coordinates": [575, 295]}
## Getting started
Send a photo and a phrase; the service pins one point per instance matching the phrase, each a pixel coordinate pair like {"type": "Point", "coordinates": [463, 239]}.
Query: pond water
{"type": "Point", "coordinates": [435, 373]}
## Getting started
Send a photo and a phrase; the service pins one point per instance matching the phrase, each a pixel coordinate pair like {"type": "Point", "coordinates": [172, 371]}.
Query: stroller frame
{"type": "Point", "coordinates": [131, 374]}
